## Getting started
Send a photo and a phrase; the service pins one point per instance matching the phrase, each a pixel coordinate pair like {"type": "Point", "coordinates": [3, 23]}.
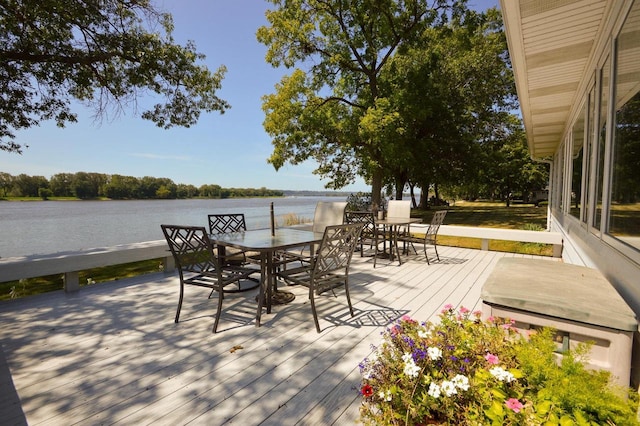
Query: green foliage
{"type": "Point", "coordinates": [359, 202]}
{"type": "Point", "coordinates": [464, 371]}
{"type": "Point", "coordinates": [84, 185]}
{"type": "Point", "coordinates": [396, 92]}
{"type": "Point", "coordinates": [44, 193]}
{"type": "Point", "coordinates": [101, 53]}
{"type": "Point", "coordinates": [332, 111]}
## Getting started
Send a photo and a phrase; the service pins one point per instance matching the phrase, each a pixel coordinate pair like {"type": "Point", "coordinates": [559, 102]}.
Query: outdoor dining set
{"type": "Point", "coordinates": [226, 257]}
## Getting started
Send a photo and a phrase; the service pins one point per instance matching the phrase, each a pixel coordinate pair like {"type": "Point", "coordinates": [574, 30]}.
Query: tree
{"type": "Point", "coordinates": [61, 184]}
{"type": "Point", "coordinates": [6, 182]}
{"type": "Point", "coordinates": [99, 53]}
{"type": "Point", "coordinates": [504, 165]}
{"type": "Point", "coordinates": [334, 112]}
{"type": "Point", "coordinates": [450, 91]}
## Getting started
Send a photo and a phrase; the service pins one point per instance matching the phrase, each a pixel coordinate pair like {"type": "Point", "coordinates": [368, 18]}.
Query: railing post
{"type": "Point", "coordinates": [71, 281]}
{"type": "Point", "coordinates": [484, 245]}
{"type": "Point", "coordinates": [168, 264]}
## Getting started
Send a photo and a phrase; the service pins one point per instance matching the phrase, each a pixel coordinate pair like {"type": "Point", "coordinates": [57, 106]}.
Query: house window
{"type": "Point", "coordinates": [600, 147]}
{"type": "Point", "coordinates": [624, 215]}
{"type": "Point", "coordinates": [577, 160]}
{"type": "Point", "coordinates": [558, 166]}
{"type": "Point", "coordinates": [587, 172]}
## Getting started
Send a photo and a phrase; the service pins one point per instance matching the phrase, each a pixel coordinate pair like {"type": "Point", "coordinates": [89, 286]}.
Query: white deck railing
{"type": "Point", "coordinates": [71, 263]}
{"type": "Point", "coordinates": [487, 234]}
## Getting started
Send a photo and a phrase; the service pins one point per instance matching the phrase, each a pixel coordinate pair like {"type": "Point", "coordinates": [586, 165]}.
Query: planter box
{"type": "Point", "coordinates": [577, 301]}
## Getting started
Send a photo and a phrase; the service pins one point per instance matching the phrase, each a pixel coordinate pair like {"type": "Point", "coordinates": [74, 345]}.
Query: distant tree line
{"type": "Point", "coordinates": [85, 186]}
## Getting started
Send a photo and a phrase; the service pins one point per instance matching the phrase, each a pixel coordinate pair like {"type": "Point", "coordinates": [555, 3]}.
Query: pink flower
{"type": "Point", "coordinates": [491, 358]}
{"type": "Point", "coordinates": [407, 318]}
{"type": "Point", "coordinates": [477, 314]}
{"type": "Point", "coordinates": [514, 404]}
{"type": "Point", "coordinates": [463, 310]}
{"type": "Point", "coordinates": [447, 308]}
{"type": "Point", "coordinates": [491, 319]}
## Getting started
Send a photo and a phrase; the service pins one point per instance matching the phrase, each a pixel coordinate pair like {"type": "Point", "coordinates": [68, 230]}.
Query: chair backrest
{"type": "Point", "coordinates": [434, 226]}
{"type": "Point", "coordinates": [191, 248]}
{"type": "Point", "coordinates": [367, 219]}
{"type": "Point", "coordinates": [336, 249]}
{"type": "Point", "coordinates": [399, 208]}
{"type": "Point", "coordinates": [222, 223]}
{"type": "Point", "coordinates": [328, 213]}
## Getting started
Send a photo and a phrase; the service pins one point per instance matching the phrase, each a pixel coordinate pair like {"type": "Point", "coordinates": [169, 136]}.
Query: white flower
{"type": "Point", "coordinates": [434, 353]}
{"type": "Point", "coordinates": [461, 382]}
{"type": "Point", "coordinates": [407, 357]}
{"type": "Point", "coordinates": [411, 369]}
{"type": "Point", "coordinates": [502, 375]}
{"type": "Point", "coordinates": [449, 388]}
{"type": "Point", "coordinates": [434, 390]}
{"type": "Point", "coordinates": [385, 396]}
{"type": "Point", "coordinates": [423, 333]}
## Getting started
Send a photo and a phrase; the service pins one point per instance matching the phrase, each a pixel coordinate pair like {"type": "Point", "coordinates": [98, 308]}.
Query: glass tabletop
{"type": "Point", "coordinates": [398, 220]}
{"type": "Point", "coordinates": [262, 240]}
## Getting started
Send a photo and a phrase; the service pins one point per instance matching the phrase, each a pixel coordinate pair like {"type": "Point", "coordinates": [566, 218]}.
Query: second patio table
{"type": "Point", "coordinates": [394, 224]}
{"type": "Point", "coordinates": [267, 244]}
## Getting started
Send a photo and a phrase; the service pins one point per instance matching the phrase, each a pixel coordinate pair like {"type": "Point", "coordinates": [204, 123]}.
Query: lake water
{"type": "Point", "coordinates": [42, 227]}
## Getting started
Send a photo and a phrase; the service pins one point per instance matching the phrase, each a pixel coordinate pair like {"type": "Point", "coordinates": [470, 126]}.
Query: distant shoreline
{"type": "Point", "coordinates": [284, 194]}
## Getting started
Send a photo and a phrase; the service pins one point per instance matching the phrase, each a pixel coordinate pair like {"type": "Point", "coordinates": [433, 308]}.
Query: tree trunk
{"type": "Point", "coordinates": [376, 190]}
{"type": "Point", "coordinates": [423, 197]}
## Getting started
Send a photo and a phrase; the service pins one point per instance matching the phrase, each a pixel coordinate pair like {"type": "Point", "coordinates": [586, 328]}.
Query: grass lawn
{"type": "Point", "coordinates": [31, 286]}
{"type": "Point", "coordinates": [493, 215]}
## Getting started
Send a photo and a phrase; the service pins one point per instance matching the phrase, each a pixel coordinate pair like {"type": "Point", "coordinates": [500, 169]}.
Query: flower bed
{"type": "Point", "coordinates": [465, 371]}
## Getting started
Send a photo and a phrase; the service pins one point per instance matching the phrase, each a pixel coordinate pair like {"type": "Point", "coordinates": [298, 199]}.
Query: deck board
{"type": "Point", "coordinates": [111, 353]}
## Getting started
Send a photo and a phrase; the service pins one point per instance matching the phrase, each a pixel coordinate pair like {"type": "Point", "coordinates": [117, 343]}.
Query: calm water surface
{"type": "Point", "coordinates": [42, 227]}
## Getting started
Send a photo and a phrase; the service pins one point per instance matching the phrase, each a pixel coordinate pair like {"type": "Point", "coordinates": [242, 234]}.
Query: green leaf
{"type": "Point", "coordinates": [499, 393]}
{"type": "Point", "coordinates": [566, 421]}
{"type": "Point", "coordinates": [543, 407]}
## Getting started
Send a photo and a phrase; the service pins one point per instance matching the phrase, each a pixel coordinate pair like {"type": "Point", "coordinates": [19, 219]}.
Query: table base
{"type": "Point", "coordinates": [280, 297]}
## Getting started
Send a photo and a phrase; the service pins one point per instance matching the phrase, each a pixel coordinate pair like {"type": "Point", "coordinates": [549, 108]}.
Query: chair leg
{"type": "Point", "coordinates": [346, 290]}
{"type": "Point", "coordinates": [425, 253]}
{"type": "Point", "coordinates": [375, 250]}
{"type": "Point", "coordinates": [179, 303]}
{"type": "Point", "coordinates": [218, 311]}
{"type": "Point", "coordinates": [313, 308]}
{"type": "Point", "coordinates": [435, 247]}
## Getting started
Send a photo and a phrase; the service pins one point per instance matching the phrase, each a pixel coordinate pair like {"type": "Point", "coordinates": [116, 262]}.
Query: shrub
{"type": "Point", "coordinates": [360, 201]}
{"type": "Point", "coordinates": [464, 371]}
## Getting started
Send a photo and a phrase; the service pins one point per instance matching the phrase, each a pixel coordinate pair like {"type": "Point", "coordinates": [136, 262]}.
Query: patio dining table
{"type": "Point", "coordinates": [267, 243]}
{"type": "Point", "coordinates": [394, 224]}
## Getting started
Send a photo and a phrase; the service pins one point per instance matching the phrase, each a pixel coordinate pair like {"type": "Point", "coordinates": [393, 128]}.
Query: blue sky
{"type": "Point", "coordinates": [230, 150]}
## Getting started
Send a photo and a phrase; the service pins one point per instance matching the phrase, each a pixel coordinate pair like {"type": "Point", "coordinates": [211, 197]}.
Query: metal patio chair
{"type": "Point", "coordinates": [330, 269]}
{"type": "Point", "coordinates": [369, 234]}
{"type": "Point", "coordinates": [233, 222]}
{"type": "Point", "coordinates": [197, 264]}
{"type": "Point", "coordinates": [429, 237]}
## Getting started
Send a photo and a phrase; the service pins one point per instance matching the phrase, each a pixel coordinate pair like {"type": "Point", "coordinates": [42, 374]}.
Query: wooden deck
{"type": "Point", "coordinates": [111, 353]}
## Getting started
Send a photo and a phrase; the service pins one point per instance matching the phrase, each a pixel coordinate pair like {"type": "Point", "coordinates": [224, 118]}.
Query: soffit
{"type": "Point", "coordinates": [550, 44]}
